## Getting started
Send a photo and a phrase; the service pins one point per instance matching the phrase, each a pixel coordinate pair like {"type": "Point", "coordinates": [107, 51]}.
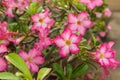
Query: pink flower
{"type": "Point", "coordinates": [32, 59]}
{"type": "Point", "coordinates": [67, 43]}
{"type": "Point", "coordinates": [105, 56]}
{"type": "Point", "coordinates": [79, 23]}
{"type": "Point", "coordinates": [98, 14]}
{"type": "Point", "coordinates": [4, 33]}
{"type": "Point", "coordinates": [43, 43]}
{"type": "Point", "coordinates": [44, 40]}
{"type": "Point", "coordinates": [42, 21]}
{"type": "Point", "coordinates": [107, 12]}
{"type": "Point", "coordinates": [91, 4]}
{"type": "Point", "coordinates": [10, 5]}
{"type": "Point", "coordinates": [3, 48]}
{"type": "Point", "coordinates": [3, 65]}
{"type": "Point", "coordinates": [104, 33]}
{"type": "Point", "coordinates": [6, 36]}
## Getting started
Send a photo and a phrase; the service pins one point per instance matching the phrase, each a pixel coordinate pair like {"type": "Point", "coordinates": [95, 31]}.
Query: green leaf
{"type": "Point", "coordinates": [80, 7]}
{"type": "Point", "coordinates": [9, 76]}
{"type": "Point", "coordinates": [59, 71]}
{"type": "Point", "coordinates": [81, 69]}
{"type": "Point", "coordinates": [13, 27]}
{"type": "Point", "coordinates": [18, 62]}
{"type": "Point", "coordinates": [69, 71]}
{"type": "Point", "coordinates": [94, 39]}
{"type": "Point", "coordinates": [33, 8]}
{"type": "Point", "coordinates": [43, 72]}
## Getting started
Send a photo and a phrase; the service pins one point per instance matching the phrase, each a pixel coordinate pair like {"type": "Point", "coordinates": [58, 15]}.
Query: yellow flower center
{"type": "Point", "coordinates": [68, 42]}
{"type": "Point", "coordinates": [41, 20]}
{"type": "Point", "coordinates": [30, 59]}
{"type": "Point", "coordinates": [78, 22]}
{"type": "Point", "coordinates": [102, 56]}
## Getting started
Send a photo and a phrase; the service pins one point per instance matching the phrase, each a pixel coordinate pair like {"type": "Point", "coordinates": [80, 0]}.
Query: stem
{"type": "Point", "coordinates": [55, 29]}
{"type": "Point", "coordinates": [51, 61]}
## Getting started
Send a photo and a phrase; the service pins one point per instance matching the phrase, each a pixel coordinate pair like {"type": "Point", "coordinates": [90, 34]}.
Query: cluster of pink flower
{"type": "Point", "coordinates": [67, 41]}
{"type": "Point", "coordinates": [41, 24]}
{"type": "Point", "coordinates": [91, 4]}
{"type": "Point", "coordinates": [12, 4]}
{"type": "Point", "coordinates": [5, 39]}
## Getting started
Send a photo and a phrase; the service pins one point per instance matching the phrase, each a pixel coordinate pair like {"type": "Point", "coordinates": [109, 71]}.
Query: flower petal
{"type": "Point", "coordinates": [23, 54]}
{"type": "Point", "coordinates": [34, 67]}
{"type": "Point", "coordinates": [71, 18]}
{"type": "Point", "coordinates": [3, 48]}
{"type": "Point", "coordinates": [38, 60]}
{"type": "Point", "coordinates": [64, 51]}
{"type": "Point", "coordinates": [66, 34]}
{"type": "Point", "coordinates": [75, 39]}
{"type": "Point", "coordinates": [59, 41]}
{"type": "Point", "coordinates": [3, 64]}
{"type": "Point", "coordinates": [74, 48]}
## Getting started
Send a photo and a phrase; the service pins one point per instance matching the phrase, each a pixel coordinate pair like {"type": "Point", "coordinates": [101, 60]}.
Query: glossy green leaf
{"type": "Point", "coordinates": [8, 76]}
{"type": "Point", "coordinates": [43, 72]}
{"type": "Point", "coordinates": [80, 70]}
{"type": "Point", "coordinates": [59, 71]}
{"type": "Point", "coordinates": [94, 39]}
{"type": "Point", "coordinates": [19, 63]}
{"type": "Point", "coordinates": [33, 8]}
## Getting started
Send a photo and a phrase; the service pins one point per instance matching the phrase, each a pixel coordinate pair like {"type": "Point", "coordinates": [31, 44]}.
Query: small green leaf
{"type": "Point", "coordinates": [18, 62]}
{"type": "Point", "coordinates": [33, 8]}
{"type": "Point", "coordinates": [43, 72]}
{"type": "Point", "coordinates": [69, 71]}
{"type": "Point", "coordinates": [9, 76]}
{"type": "Point", "coordinates": [81, 69]}
{"type": "Point", "coordinates": [59, 71]}
{"type": "Point", "coordinates": [94, 39]}
{"type": "Point", "coordinates": [80, 6]}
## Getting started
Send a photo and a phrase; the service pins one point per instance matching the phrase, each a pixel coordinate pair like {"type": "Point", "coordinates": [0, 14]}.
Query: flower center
{"type": "Point", "coordinates": [29, 59]}
{"type": "Point", "coordinates": [102, 56]}
{"type": "Point", "coordinates": [68, 42]}
{"type": "Point", "coordinates": [78, 22]}
{"type": "Point", "coordinates": [41, 20]}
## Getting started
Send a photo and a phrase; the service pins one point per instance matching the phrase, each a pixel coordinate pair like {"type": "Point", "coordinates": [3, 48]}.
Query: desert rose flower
{"type": "Point", "coordinates": [10, 5]}
{"type": "Point", "coordinates": [98, 14]}
{"type": "Point", "coordinates": [4, 33]}
{"type": "Point", "coordinates": [3, 65]}
{"type": "Point", "coordinates": [67, 42]}
{"type": "Point", "coordinates": [32, 59]}
{"type": "Point", "coordinates": [79, 23]}
{"type": "Point", "coordinates": [105, 56]}
{"type": "Point", "coordinates": [91, 4]}
{"type": "Point", "coordinates": [107, 12]}
{"type": "Point", "coordinates": [42, 21]}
